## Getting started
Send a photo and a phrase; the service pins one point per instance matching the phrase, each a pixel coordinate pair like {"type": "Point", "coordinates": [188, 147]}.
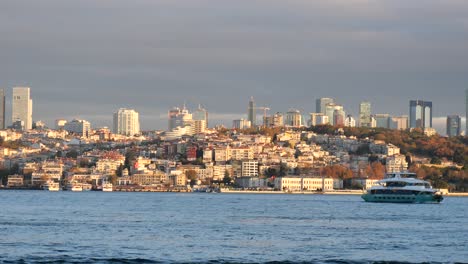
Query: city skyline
{"type": "Point", "coordinates": [284, 54]}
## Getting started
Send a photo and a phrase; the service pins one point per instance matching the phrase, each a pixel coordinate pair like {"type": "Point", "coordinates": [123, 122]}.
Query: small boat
{"type": "Point", "coordinates": [74, 187]}
{"type": "Point", "coordinates": [402, 187]}
{"type": "Point", "coordinates": [107, 187]}
{"type": "Point", "coordinates": [51, 186]}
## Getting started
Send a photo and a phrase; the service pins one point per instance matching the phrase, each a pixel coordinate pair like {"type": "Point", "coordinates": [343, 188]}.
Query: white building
{"type": "Point", "coordinates": [79, 127]}
{"type": "Point", "coordinates": [250, 168]}
{"type": "Point", "coordinates": [22, 107]}
{"type": "Point", "coordinates": [241, 124]}
{"type": "Point", "coordinates": [396, 163]}
{"type": "Point", "coordinates": [126, 122]}
{"type": "Point", "coordinates": [350, 121]}
{"type": "Point", "coordinates": [297, 183]}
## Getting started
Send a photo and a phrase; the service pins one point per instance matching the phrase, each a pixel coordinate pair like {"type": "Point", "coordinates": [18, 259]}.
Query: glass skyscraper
{"type": "Point", "coordinates": [420, 114]}
{"type": "Point", "coordinates": [453, 125]}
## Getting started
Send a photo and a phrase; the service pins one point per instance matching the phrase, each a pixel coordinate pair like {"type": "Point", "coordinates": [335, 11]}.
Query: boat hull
{"type": "Point", "coordinates": [400, 198]}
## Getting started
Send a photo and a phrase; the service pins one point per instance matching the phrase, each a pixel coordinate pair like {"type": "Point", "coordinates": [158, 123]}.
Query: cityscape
{"type": "Point", "coordinates": [222, 132]}
{"type": "Point", "coordinates": [255, 153]}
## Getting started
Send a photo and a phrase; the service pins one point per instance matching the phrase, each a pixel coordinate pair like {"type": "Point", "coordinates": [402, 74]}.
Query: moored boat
{"type": "Point", "coordinates": [107, 187]}
{"type": "Point", "coordinates": [51, 186]}
{"type": "Point", "coordinates": [402, 187]}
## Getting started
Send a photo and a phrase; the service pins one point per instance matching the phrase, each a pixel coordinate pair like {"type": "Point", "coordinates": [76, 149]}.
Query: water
{"type": "Point", "coordinates": [40, 226]}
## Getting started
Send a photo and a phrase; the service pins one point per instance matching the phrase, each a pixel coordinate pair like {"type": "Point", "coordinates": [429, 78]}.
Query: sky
{"type": "Point", "coordinates": [86, 59]}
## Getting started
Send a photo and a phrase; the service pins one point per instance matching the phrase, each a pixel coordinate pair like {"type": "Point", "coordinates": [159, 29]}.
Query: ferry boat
{"type": "Point", "coordinates": [402, 187]}
{"type": "Point", "coordinates": [51, 186]}
{"type": "Point", "coordinates": [107, 187]}
{"type": "Point", "coordinates": [74, 187]}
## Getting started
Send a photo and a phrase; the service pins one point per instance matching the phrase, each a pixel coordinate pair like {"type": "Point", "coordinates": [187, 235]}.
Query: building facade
{"type": "Point", "coordinates": [321, 104]}
{"type": "Point", "coordinates": [365, 114]}
{"type": "Point", "coordinates": [22, 107]}
{"type": "Point", "coordinates": [126, 122]}
{"type": "Point", "coordinates": [453, 125]}
{"type": "Point", "coordinates": [2, 109]}
{"type": "Point", "coordinates": [420, 114]}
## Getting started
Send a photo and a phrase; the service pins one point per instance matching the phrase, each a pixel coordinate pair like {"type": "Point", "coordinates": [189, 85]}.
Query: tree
{"type": "Point", "coordinates": [227, 178]}
{"type": "Point", "coordinates": [73, 154]}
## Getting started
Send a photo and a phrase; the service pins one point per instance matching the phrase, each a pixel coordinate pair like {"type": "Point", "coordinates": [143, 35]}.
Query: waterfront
{"type": "Point", "coordinates": [196, 227]}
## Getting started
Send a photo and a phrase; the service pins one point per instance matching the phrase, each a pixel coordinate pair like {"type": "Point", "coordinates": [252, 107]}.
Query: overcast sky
{"type": "Point", "coordinates": [87, 58]}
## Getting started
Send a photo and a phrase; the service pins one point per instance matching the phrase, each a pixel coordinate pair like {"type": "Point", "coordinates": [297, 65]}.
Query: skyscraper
{"type": "Point", "coordinates": [22, 107]}
{"type": "Point", "coordinates": [251, 112]}
{"type": "Point", "coordinates": [2, 108]}
{"type": "Point", "coordinates": [321, 104]}
{"type": "Point", "coordinates": [365, 114]}
{"type": "Point", "coordinates": [420, 114]}
{"type": "Point", "coordinates": [200, 119]}
{"type": "Point", "coordinates": [330, 110]}
{"type": "Point", "coordinates": [453, 125]}
{"type": "Point", "coordinates": [126, 122]}
{"type": "Point", "coordinates": [466, 112]}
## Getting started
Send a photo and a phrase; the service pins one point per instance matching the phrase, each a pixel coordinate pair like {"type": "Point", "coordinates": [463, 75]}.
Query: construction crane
{"type": "Point", "coordinates": [265, 110]}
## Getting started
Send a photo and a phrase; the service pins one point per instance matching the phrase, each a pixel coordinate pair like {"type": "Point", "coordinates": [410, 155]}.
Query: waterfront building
{"type": "Point", "coordinates": [22, 107]}
{"type": "Point", "coordinates": [252, 117]}
{"type": "Point", "coordinates": [350, 121]}
{"type": "Point", "coordinates": [293, 118]}
{"type": "Point", "coordinates": [303, 183]}
{"type": "Point", "coordinates": [2, 109]}
{"type": "Point", "coordinates": [15, 181]}
{"type": "Point", "coordinates": [453, 125]}
{"type": "Point", "coordinates": [321, 103]}
{"type": "Point", "coordinates": [365, 114]}
{"type": "Point", "coordinates": [420, 114]}
{"type": "Point", "coordinates": [126, 122]}
{"type": "Point", "coordinates": [79, 127]}
{"type": "Point", "coordinates": [399, 122]}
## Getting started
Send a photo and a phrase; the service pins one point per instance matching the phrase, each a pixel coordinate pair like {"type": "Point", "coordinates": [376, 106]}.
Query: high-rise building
{"type": "Point", "coordinates": [179, 118]}
{"type": "Point", "coordinates": [22, 107]}
{"type": "Point", "coordinates": [420, 114]}
{"type": "Point", "coordinates": [252, 117]}
{"type": "Point", "coordinates": [466, 112]}
{"type": "Point", "coordinates": [318, 119]}
{"type": "Point", "coordinates": [275, 120]}
{"type": "Point", "coordinates": [293, 118]}
{"type": "Point", "coordinates": [339, 117]}
{"type": "Point", "coordinates": [382, 120]}
{"type": "Point", "coordinates": [79, 127]}
{"type": "Point", "coordinates": [453, 125]}
{"type": "Point", "coordinates": [321, 104]}
{"type": "Point", "coordinates": [365, 114]}
{"type": "Point", "coordinates": [2, 108]}
{"type": "Point", "coordinates": [399, 122]}
{"type": "Point", "coordinates": [330, 110]}
{"type": "Point", "coordinates": [126, 122]}
{"type": "Point", "coordinates": [200, 119]}
{"type": "Point", "coordinates": [241, 124]}
{"type": "Point", "coordinates": [350, 121]}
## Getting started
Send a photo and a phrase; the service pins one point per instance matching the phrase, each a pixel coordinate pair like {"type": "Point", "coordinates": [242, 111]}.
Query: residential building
{"type": "Point", "coordinates": [399, 122]}
{"type": "Point", "coordinates": [250, 168]}
{"type": "Point", "coordinates": [15, 180]}
{"type": "Point", "coordinates": [180, 118]}
{"type": "Point", "coordinates": [275, 120]}
{"type": "Point", "coordinates": [365, 114]}
{"type": "Point", "coordinates": [453, 125]}
{"type": "Point", "coordinates": [241, 124]}
{"type": "Point", "coordinates": [396, 163]}
{"type": "Point", "coordinates": [126, 122]}
{"type": "Point", "coordinates": [350, 121]}
{"type": "Point", "coordinates": [79, 127]}
{"type": "Point", "coordinates": [420, 114]}
{"type": "Point", "coordinates": [22, 107]}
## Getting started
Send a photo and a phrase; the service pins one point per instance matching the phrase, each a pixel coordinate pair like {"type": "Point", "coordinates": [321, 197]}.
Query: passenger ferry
{"type": "Point", "coordinates": [51, 186]}
{"type": "Point", "coordinates": [402, 187]}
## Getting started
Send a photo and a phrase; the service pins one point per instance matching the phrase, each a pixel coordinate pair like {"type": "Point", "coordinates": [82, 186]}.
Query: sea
{"type": "Point", "coordinates": [119, 227]}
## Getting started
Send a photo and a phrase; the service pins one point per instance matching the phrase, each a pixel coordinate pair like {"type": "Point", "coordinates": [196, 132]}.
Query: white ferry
{"type": "Point", "coordinates": [51, 186]}
{"type": "Point", "coordinates": [402, 187]}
